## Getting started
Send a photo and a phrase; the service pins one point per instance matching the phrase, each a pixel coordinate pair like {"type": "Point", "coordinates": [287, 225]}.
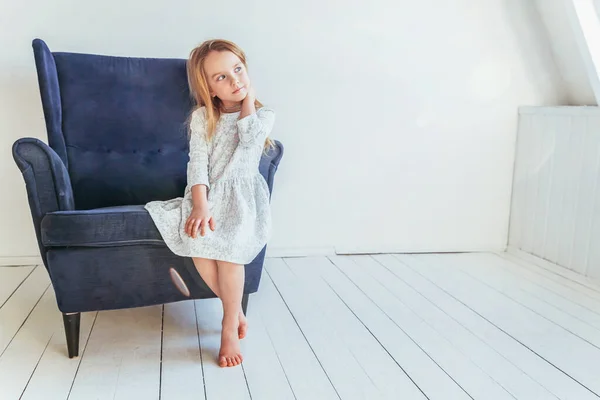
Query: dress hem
{"type": "Point", "coordinates": [210, 255]}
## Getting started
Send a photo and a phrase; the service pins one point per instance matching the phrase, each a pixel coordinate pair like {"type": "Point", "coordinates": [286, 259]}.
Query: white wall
{"type": "Point", "coordinates": [399, 117]}
{"type": "Point", "coordinates": [555, 213]}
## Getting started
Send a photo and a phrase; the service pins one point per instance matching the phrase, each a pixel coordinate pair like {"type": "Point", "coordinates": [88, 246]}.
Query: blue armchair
{"type": "Point", "coordinates": [117, 139]}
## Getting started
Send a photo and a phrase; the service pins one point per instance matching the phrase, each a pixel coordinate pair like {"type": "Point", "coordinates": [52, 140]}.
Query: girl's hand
{"type": "Point", "coordinates": [248, 106]}
{"type": "Point", "coordinates": [199, 218]}
{"type": "Point", "coordinates": [251, 95]}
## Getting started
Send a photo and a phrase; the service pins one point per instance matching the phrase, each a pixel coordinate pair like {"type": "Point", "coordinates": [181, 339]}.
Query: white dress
{"type": "Point", "coordinates": [238, 196]}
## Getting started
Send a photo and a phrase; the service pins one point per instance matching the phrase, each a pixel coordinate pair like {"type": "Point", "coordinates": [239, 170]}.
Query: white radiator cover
{"type": "Point", "coordinates": [555, 210]}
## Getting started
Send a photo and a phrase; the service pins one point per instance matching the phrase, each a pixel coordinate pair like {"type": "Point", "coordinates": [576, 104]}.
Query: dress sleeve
{"type": "Point", "coordinates": [255, 128]}
{"type": "Point", "coordinates": [197, 168]}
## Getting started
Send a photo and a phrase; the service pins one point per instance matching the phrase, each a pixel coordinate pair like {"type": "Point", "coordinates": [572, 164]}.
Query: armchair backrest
{"type": "Point", "coordinates": [119, 124]}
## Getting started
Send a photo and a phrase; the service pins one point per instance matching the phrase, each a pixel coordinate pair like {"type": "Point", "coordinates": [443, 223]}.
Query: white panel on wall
{"type": "Point", "coordinates": [555, 204]}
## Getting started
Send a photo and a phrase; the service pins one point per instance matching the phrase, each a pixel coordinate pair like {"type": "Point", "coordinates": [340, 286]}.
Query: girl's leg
{"type": "Point", "coordinates": [231, 287]}
{"type": "Point", "coordinates": [208, 271]}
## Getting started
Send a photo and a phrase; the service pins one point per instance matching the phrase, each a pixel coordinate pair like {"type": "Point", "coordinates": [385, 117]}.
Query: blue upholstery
{"type": "Point", "coordinates": [118, 124]}
{"type": "Point", "coordinates": [105, 278]}
{"type": "Point", "coordinates": [117, 139]}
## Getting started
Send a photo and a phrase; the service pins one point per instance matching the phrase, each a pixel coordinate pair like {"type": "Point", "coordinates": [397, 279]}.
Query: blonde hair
{"type": "Point", "coordinates": [198, 82]}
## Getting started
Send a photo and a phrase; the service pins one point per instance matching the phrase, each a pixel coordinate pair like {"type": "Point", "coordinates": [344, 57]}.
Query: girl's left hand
{"type": "Point", "coordinates": [249, 103]}
{"type": "Point", "coordinates": [251, 95]}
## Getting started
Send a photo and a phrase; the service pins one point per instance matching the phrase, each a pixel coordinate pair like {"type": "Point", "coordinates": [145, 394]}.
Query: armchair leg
{"type": "Point", "coordinates": [72, 323]}
{"type": "Point", "coordinates": [245, 298]}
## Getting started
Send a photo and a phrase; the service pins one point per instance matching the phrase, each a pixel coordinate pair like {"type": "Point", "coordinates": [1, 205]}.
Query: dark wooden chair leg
{"type": "Point", "coordinates": [245, 298]}
{"type": "Point", "coordinates": [72, 322]}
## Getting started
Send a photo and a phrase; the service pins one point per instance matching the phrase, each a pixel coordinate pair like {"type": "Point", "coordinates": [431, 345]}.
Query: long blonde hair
{"type": "Point", "coordinates": [198, 82]}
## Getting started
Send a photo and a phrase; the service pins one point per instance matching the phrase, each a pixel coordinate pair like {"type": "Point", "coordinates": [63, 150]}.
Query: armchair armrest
{"type": "Point", "coordinates": [46, 177]}
{"type": "Point", "coordinates": [46, 180]}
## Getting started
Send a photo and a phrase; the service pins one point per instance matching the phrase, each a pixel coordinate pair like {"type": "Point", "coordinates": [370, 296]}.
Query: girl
{"type": "Point", "coordinates": [225, 192]}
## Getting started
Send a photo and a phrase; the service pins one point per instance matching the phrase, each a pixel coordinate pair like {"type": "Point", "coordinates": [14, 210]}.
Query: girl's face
{"type": "Point", "coordinates": [227, 77]}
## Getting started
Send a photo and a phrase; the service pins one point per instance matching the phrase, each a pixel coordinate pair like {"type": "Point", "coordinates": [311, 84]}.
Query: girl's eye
{"type": "Point", "coordinates": [221, 77]}
{"type": "Point", "coordinates": [238, 69]}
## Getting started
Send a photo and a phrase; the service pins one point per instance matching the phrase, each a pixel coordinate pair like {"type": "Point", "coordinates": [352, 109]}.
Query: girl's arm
{"type": "Point", "coordinates": [200, 218]}
{"type": "Point", "coordinates": [197, 168]}
{"type": "Point", "coordinates": [254, 126]}
{"type": "Point", "coordinates": [200, 196]}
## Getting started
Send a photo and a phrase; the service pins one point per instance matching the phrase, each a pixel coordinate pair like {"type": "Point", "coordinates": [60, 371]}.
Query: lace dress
{"type": "Point", "coordinates": [238, 196]}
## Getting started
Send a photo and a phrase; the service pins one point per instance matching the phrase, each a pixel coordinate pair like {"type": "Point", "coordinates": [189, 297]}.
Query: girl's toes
{"type": "Point", "coordinates": [222, 361]}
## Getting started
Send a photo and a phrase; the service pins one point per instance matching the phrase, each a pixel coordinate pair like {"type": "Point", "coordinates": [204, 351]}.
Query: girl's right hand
{"type": "Point", "coordinates": [199, 218]}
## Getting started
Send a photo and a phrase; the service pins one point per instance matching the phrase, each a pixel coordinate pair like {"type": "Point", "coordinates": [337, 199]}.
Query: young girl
{"type": "Point", "coordinates": [223, 221]}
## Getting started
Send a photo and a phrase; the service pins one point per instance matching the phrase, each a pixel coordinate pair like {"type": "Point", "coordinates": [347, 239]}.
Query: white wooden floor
{"type": "Point", "coordinates": [454, 326]}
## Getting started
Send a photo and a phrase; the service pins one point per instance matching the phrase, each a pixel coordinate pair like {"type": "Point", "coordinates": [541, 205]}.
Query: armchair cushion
{"type": "Point", "coordinates": [100, 227]}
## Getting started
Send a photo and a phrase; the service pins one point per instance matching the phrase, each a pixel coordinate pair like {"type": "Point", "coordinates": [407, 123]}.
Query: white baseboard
{"type": "Point", "coordinates": [537, 260]}
{"type": "Point", "coordinates": [551, 266]}
{"type": "Point", "coordinates": [277, 252]}
{"type": "Point", "coordinates": [20, 261]}
{"type": "Point", "coordinates": [399, 250]}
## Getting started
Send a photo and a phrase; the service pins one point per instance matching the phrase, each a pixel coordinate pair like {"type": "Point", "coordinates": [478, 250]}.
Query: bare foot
{"type": "Point", "coordinates": [243, 325]}
{"type": "Point", "coordinates": [230, 354]}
